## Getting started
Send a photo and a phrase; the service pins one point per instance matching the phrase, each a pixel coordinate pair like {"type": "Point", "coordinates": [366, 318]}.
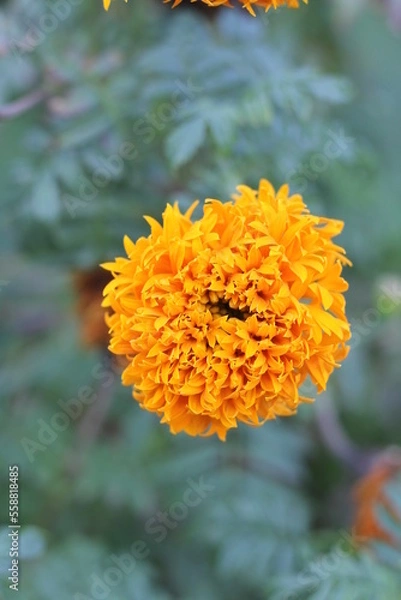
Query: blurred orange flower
{"type": "Point", "coordinates": [222, 319]}
{"type": "Point", "coordinates": [248, 4]}
{"type": "Point", "coordinates": [89, 285]}
{"type": "Point", "coordinates": [369, 495]}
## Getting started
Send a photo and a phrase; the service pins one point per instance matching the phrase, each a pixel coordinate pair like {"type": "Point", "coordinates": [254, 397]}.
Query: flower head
{"type": "Point", "coordinates": [222, 319]}
{"type": "Point", "coordinates": [248, 4]}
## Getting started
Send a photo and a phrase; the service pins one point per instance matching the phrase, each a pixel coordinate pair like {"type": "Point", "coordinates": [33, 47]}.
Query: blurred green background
{"type": "Point", "coordinates": [105, 117]}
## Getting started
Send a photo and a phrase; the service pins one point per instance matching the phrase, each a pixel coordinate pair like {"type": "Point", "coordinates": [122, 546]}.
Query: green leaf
{"type": "Point", "coordinates": [183, 143]}
{"type": "Point", "coordinates": [45, 199]}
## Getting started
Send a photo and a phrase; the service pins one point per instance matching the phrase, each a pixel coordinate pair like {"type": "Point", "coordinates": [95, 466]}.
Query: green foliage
{"type": "Point", "coordinates": [122, 112]}
{"type": "Point", "coordinates": [332, 577]}
{"type": "Point", "coordinates": [179, 107]}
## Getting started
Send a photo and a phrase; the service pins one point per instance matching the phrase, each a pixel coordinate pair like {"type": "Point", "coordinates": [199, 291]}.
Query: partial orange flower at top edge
{"type": "Point", "coordinates": [222, 319]}
{"type": "Point", "coordinates": [248, 4]}
{"type": "Point", "coordinates": [106, 4]}
{"type": "Point", "coordinates": [369, 495]}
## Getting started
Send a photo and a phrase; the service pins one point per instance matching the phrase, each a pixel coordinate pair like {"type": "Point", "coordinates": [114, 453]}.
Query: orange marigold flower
{"type": "Point", "coordinates": [222, 319]}
{"type": "Point", "coordinates": [369, 495]}
{"type": "Point", "coordinates": [248, 4]}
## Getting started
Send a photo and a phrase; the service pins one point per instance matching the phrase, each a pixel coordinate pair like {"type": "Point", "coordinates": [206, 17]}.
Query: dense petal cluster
{"type": "Point", "coordinates": [248, 4]}
{"type": "Point", "coordinates": [222, 319]}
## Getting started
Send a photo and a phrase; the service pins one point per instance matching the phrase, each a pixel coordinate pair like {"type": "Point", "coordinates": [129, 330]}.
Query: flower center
{"type": "Point", "coordinates": [222, 308]}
